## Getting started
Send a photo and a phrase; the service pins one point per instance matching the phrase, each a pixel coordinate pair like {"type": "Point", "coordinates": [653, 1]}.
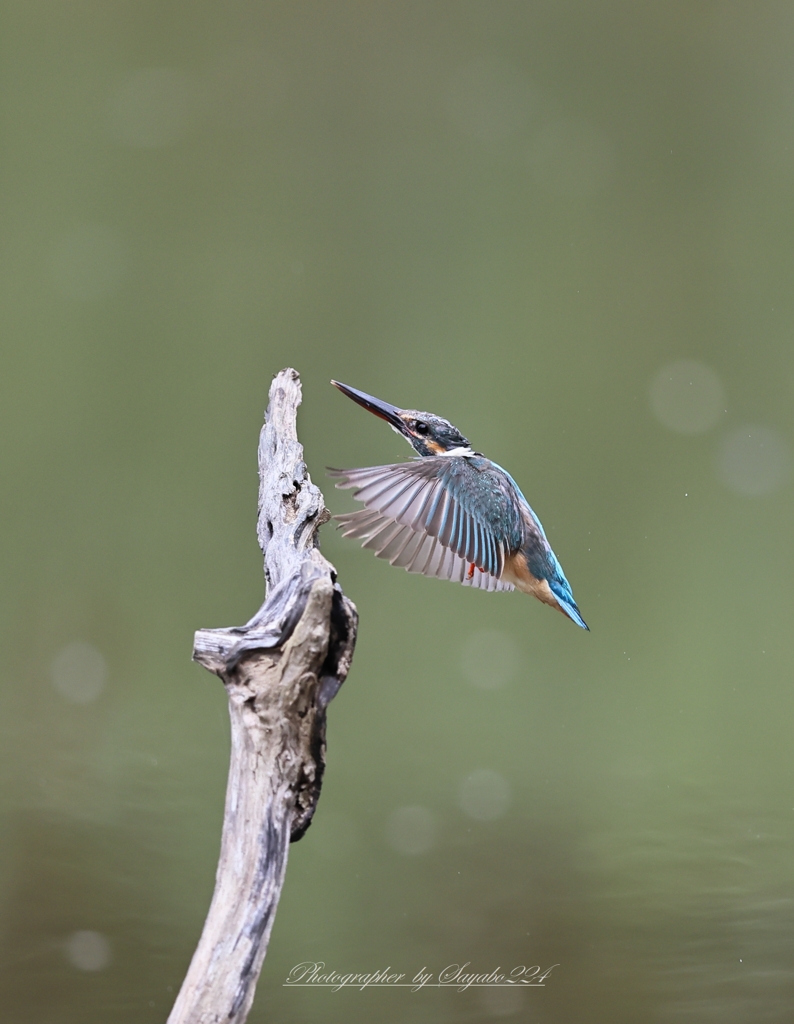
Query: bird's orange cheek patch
{"type": "Point", "coordinates": [434, 447]}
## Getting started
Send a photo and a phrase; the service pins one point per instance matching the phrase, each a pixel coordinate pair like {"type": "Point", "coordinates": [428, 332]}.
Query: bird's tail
{"type": "Point", "coordinates": [562, 592]}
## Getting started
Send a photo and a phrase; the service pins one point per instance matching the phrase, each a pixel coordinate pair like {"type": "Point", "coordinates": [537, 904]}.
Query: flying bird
{"type": "Point", "coordinates": [451, 513]}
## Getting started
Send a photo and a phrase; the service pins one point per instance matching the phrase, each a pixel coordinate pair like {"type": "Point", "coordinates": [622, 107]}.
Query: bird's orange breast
{"type": "Point", "coordinates": [516, 571]}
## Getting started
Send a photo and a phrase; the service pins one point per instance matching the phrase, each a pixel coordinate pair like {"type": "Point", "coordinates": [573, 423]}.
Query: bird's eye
{"type": "Point", "coordinates": [421, 428]}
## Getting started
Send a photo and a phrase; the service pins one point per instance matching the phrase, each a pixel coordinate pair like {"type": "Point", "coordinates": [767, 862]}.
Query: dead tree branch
{"type": "Point", "coordinates": [280, 671]}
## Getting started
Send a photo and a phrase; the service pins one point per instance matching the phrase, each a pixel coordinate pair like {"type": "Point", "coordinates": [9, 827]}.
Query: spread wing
{"type": "Point", "coordinates": [437, 516]}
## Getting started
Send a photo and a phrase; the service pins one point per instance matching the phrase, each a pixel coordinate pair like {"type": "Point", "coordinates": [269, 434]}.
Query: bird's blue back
{"type": "Point", "coordinates": [541, 560]}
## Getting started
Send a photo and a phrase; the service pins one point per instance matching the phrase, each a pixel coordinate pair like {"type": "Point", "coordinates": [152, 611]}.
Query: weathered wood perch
{"type": "Point", "coordinates": [280, 671]}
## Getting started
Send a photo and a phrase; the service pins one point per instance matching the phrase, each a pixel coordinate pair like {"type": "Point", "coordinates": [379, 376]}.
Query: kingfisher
{"type": "Point", "coordinates": [451, 513]}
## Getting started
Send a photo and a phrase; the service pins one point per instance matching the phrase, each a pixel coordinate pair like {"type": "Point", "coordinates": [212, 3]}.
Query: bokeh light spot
{"type": "Point", "coordinates": [484, 795]}
{"type": "Point", "coordinates": [79, 672]}
{"type": "Point", "coordinates": [571, 158]}
{"type": "Point", "coordinates": [153, 107]}
{"type": "Point", "coordinates": [687, 396]}
{"type": "Point", "coordinates": [489, 659]}
{"type": "Point", "coordinates": [88, 263]}
{"type": "Point", "coordinates": [88, 951]}
{"type": "Point", "coordinates": [411, 830]}
{"type": "Point", "coordinates": [753, 460]}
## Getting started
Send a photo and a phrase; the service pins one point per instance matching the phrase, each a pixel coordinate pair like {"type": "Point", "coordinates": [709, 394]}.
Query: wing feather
{"type": "Point", "coordinates": [359, 524]}
{"type": "Point", "coordinates": [428, 517]}
{"type": "Point", "coordinates": [450, 526]}
{"type": "Point", "coordinates": [422, 553]}
{"type": "Point", "coordinates": [384, 496]}
{"type": "Point", "coordinates": [395, 544]}
{"type": "Point", "coordinates": [405, 555]}
{"type": "Point", "coordinates": [402, 501]}
{"type": "Point", "coordinates": [436, 519]}
{"type": "Point", "coordinates": [474, 551]}
{"type": "Point", "coordinates": [378, 540]}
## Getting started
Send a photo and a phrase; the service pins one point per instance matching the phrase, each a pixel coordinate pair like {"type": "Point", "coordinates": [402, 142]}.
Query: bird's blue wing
{"type": "Point", "coordinates": [438, 516]}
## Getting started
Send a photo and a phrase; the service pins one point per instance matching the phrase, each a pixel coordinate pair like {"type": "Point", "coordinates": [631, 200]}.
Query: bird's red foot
{"type": "Point", "coordinates": [470, 573]}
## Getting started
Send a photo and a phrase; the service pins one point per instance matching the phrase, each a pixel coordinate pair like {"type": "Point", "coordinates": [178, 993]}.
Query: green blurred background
{"type": "Point", "coordinates": [567, 227]}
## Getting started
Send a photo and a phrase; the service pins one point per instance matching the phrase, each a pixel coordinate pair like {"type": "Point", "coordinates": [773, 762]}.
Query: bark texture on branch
{"type": "Point", "coordinates": [280, 671]}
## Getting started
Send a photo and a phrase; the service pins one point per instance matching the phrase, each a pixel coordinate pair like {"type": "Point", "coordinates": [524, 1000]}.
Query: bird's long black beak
{"type": "Point", "coordinates": [387, 412]}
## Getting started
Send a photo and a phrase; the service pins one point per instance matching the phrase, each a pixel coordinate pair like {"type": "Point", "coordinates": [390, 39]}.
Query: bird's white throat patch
{"type": "Point", "coordinates": [459, 452]}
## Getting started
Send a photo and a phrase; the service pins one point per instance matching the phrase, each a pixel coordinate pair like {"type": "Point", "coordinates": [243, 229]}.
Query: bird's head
{"type": "Point", "coordinates": [426, 433]}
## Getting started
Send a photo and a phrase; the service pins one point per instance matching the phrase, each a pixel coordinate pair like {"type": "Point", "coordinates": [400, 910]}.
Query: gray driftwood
{"type": "Point", "coordinates": [280, 671]}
